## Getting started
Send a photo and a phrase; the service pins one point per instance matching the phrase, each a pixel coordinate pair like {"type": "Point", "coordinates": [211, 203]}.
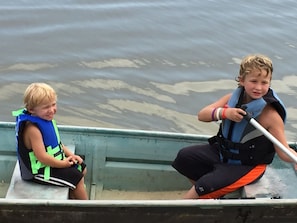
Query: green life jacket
{"type": "Point", "coordinates": [29, 164]}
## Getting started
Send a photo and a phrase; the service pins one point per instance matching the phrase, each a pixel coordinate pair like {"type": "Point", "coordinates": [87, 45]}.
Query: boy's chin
{"type": "Point", "coordinates": [47, 119]}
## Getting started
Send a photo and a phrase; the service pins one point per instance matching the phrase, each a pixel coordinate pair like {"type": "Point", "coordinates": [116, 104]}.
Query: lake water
{"type": "Point", "coordinates": [143, 64]}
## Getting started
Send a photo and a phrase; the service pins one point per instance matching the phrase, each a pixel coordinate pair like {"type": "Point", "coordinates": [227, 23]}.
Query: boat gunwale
{"type": "Point", "coordinates": [118, 131]}
{"type": "Point", "coordinates": [199, 203]}
{"type": "Point", "coordinates": [130, 132]}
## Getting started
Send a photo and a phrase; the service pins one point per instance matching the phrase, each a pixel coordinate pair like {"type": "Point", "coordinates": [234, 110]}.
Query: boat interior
{"type": "Point", "coordinates": [138, 166]}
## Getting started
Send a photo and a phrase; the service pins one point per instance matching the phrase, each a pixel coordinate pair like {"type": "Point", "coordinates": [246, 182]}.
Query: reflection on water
{"type": "Point", "coordinates": [117, 85]}
{"type": "Point", "coordinates": [118, 104]}
{"type": "Point", "coordinates": [27, 67]}
{"type": "Point", "coordinates": [113, 63]}
{"type": "Point", "coordinates": [184, 88]}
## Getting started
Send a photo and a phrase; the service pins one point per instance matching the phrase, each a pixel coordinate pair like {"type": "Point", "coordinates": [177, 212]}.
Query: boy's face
{"type": "Point", "coordinates": [46, 110]}
{"type": "Point", "coordinates": [256, 84]}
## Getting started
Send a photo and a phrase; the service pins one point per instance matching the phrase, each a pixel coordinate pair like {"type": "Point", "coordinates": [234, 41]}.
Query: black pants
{"type": "Point", "coordinates": [213, 178]}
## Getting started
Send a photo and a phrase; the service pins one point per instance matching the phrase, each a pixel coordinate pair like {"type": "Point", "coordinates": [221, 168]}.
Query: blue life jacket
{"type": "Point", "coordinates": [242, 143]}
{"type": "Point", "coordinates": [29, 165]}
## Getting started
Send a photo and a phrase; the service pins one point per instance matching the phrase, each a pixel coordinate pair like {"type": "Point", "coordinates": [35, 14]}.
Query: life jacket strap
{"type": "Point", "coordinates": [56, 152]}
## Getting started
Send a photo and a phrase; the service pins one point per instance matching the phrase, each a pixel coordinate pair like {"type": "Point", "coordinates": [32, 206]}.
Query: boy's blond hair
{"type": "Point", "coordinates": [37, 94]}
{"type": "Point", "coordinates": [254, 61]}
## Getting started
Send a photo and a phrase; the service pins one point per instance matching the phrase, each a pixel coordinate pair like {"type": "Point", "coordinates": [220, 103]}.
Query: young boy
{"type": "Point", "coordinates": [42, 156]}
{"type": "Point", "coordinates": [239, 153]}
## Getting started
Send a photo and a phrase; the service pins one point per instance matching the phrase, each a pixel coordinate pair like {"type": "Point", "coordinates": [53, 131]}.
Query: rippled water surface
{"type": "Point", "coordinates": [142, 64]}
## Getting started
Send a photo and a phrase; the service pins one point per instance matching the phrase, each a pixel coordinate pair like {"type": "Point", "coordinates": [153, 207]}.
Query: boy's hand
{"type": "Point", "coordinates": [70, 161]}
{"type": "Point", "coordinates": [77, 159]}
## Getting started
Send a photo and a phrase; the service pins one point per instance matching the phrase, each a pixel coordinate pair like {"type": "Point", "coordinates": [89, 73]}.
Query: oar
{"type": "Point", "coordinates": [252, 121]}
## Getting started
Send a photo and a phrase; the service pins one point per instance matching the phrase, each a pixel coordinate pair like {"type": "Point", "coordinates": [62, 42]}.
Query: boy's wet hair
{"type": "Point", "coordinates": [255, 61]}
{"type": "Point", "coordinates": [37, 94]}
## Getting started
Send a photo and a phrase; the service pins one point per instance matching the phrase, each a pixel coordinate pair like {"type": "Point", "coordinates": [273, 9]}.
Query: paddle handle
{"type": "Point", "coordinates": [271, 137]}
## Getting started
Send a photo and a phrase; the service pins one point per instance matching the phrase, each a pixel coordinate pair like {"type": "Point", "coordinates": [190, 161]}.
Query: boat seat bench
{"type": "Point", "coordinates": [21, 189]}
{"type": "Point", "coordinates": [263, 188]}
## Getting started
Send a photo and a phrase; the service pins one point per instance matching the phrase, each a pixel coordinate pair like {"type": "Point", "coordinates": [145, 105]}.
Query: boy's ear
{"type": "Point", "coordinates": [30, 110]}
{"type": "Point", "coordinates": [241, 82]}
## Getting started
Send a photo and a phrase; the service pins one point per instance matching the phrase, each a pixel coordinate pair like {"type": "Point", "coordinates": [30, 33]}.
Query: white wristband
{"type": "Point", "coordinates": [218, 114]}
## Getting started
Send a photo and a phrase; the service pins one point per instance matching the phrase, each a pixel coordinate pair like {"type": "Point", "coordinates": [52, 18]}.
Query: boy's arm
{"type": "Point", "coordinates": [205, 114]}
{"type": "Point", "coordinates": [277, 129]}
{"type": "Point", "coordinates": [67, 151]}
